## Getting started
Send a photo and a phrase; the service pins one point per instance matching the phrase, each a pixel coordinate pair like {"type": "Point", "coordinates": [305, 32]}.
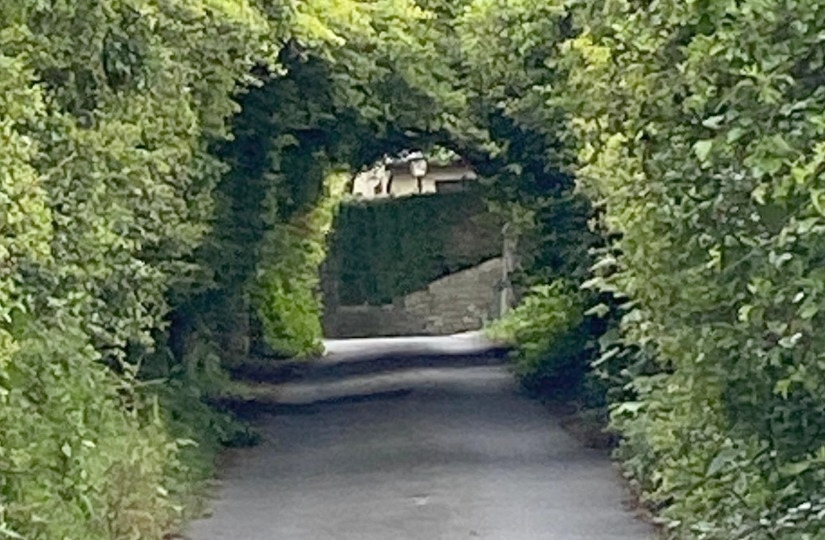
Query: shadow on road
{"type": "Point", "coordinates": [412, 439]}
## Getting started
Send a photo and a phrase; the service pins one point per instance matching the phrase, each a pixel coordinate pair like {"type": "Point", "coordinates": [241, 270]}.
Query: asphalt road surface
{"type": "Point", "coordinates": [451, 453]}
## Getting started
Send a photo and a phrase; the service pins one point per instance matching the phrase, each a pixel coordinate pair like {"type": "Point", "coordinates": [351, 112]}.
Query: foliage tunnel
{"type": "Point", "coordinates": [170, 169]}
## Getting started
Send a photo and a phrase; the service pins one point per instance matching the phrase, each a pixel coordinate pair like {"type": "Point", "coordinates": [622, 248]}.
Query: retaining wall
{"type": "Point", "coordinates": [456, 303]}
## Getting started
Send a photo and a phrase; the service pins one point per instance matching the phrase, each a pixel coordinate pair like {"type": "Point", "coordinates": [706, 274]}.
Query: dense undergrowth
{"type": "Point", "coordinates": [551, 344]}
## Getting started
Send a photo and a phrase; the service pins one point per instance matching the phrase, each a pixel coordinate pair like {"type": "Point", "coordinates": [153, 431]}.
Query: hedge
{"type": "Point", "coordinates": [385, 249]}
{"type": "Point", "coordinates": [696, 130]}
{"type": "Point", "coordinates": [115, 177]}
{"type": "Point", "coordinates": [700, 131]}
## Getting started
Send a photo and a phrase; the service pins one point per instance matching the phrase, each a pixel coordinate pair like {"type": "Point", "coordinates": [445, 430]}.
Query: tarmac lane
{"type": "Point", "coordinates": [451, 453]}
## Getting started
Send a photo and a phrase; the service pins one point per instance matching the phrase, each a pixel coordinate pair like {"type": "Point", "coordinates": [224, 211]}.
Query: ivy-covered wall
{"type": "Point", "coordinates": [385, 249]}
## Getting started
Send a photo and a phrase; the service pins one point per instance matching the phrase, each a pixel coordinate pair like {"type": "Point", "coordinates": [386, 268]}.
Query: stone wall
{"type": "Point", "coordinates": [456, 303]}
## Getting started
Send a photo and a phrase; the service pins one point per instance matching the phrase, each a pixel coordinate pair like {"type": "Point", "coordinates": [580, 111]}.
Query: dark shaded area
{"type": "Point", "coordinates": [368, 364]}
{"type": "Point", "coordinates": [252, 409]}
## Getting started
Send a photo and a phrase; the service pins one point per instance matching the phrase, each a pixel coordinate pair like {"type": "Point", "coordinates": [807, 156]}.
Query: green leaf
{"type": "Point", "coordinates": [722, 460]}
{"type": "Point", "coordinates": [780, 145]}
{"type": "Point", "coordinates": [796, 468]}
{"type": "Point", "coordinates": [702, 149]}
{"type": "Point", "coordinates": [714, 121]}
{"type": "Point", "coordinates": [599, 310]}
{"type": "Point", "coordinates": [629, 407]}
{"type": "Point", "coordinates": [789, 342]}
{"type": "Point", "coordinates": [8, 533]}
{"type": "Point", "coordinates": [809, 310]}
{"type": "Point", "coordinates": [734, 135]}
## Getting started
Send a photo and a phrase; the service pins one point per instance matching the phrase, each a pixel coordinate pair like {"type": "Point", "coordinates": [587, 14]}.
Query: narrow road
{"type": "Point", "coordinates": [451, 453]}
